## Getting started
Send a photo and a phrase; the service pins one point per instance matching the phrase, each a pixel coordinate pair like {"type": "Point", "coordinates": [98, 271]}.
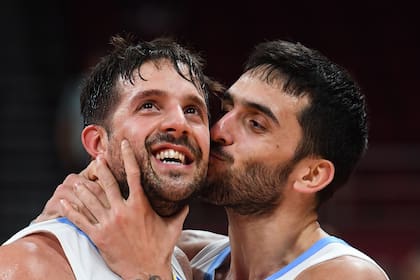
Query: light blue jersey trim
{"type": "Point", "coordinates": [305, 255]}
{"type": "Point", "coordinates": [66, 221]}
{"type": "Point", "coordinates": [209, 275]}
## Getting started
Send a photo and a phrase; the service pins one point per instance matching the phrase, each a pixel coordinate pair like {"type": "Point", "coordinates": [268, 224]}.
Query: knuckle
{"type": "Point", "coordinates": [70, 178]}
{"type": "Point", "coordinates": [119, 217]}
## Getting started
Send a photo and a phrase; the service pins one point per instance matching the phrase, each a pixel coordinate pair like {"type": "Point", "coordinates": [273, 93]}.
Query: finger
{"type": "Point", "coordinates": [90, 171]}
{"type": "Point", "coordinates": [93, 186]}
{"type": "Point", "coordinates": [91, 203]}
{"type": "Point", "coordinates": [133, 174]}
{"type": "Point", "coordinates": [67, 191]}
{"type": "Point", "coordinates": [108, 183]}
{"type": "Point", "coordinates": [76, 217]}
{"type": "Point", "coordinates": [73, 179]}
{"type": "Point", "coordinates": [84, 211]}
{"type": "Point", "coordinates": [96, 189]}
{"type": "Point", "coordinates": [63, 191]}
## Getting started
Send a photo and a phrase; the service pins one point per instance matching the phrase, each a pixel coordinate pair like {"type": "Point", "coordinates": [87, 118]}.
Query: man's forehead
{"type": "Point", "coordinates": [152, 68]}
{"type": "Point", "coordinates": [247, 87]}
{"type": "Point", "coordinates": [253, 89]}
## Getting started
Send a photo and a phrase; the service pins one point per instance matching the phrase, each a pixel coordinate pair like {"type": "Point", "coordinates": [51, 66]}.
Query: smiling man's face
{"type": "Point", "coordinates": [164, 117]}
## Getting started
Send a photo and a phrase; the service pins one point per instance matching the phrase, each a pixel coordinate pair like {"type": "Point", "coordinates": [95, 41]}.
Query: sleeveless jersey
{"type": "Point", "coordinates": [213, 255]}
{"type": "Point", "coordinates": [82, 255]}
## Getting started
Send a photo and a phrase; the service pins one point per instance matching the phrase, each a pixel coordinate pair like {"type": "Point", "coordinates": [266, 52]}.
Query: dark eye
{"type": "Point", "coordinates": [256, 125]}
{"type": "Point", "coordinates": [147, 106]}
{"type": "Point", "coordinates": [191, 110]}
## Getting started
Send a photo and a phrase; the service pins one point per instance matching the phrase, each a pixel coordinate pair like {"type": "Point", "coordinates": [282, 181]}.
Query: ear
{"type": "Point", "coordinates": [94, 139]}
{"type": "Point", "coordinates": [314, 175]}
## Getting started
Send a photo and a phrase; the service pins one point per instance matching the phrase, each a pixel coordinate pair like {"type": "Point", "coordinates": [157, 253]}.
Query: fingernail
{"type": "Point", "coordinates": [124, 143]}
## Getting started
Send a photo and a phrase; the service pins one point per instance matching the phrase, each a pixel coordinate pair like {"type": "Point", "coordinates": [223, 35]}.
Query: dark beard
{"type": "Point", "coordinates": [253, 190]}
{"type": "Point", "coordinates": [157, 190]}
{"type": "Point", "coordinates": [162, 206]}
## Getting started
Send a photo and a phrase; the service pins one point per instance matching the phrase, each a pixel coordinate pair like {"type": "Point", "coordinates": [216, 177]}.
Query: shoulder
{"type": "Point", "coordinates": [344, 267]}
{"type": "Point", "coordinates": [35, 256]}
{"type": "Point", "coordinates": [192, 241]}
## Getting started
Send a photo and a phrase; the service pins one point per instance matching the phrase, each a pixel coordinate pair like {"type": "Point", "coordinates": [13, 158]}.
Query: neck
{"type": "Point", "coordinates": [262, 245]}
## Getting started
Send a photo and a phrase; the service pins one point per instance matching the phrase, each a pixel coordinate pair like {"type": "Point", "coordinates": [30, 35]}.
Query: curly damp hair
{"type": "Point", "coordinates": [334, 124]}
{"type": "Point", "coordinates": [99, 95]}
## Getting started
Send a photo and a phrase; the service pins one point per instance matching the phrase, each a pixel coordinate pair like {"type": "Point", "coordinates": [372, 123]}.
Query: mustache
{"type": "Point", "coordinates": [217, 149]}
{"type": "Point", "coordinates": [183, 140]}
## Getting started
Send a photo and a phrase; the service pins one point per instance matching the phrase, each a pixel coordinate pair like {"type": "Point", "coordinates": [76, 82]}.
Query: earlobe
{"type": "Point", "coordinates": [93, 139]}
{"type": "Point", "coordinates": [315, 176]}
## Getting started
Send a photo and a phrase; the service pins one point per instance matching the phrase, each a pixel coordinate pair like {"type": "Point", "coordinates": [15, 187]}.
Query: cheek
{"type": "Point", "coordinates": [203, 138]}
{"type": "Point", "coordinates": [254, 149]}
{"type": "Point", "coordinates": [134, 131]}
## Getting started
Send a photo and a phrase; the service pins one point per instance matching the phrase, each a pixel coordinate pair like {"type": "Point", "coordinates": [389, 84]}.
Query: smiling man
{"type": "Point", "coordinates": [155, 95]}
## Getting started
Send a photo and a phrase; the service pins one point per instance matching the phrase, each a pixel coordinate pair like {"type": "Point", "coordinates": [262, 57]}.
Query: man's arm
{"type": "Point", "coordinates": [37, 256]}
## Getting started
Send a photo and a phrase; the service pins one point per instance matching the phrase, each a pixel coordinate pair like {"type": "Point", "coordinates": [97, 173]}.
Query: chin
{"type": "Point", "coordinates": [168, 208]}
{"type": "Point", "coordinates": [175, 193]}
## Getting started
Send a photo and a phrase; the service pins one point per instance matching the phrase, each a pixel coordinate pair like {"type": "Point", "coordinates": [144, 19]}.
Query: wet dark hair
{"type": "Point", "coordinates": [334, 124]}
{"type": "Point", "coordinates": [99, 96]}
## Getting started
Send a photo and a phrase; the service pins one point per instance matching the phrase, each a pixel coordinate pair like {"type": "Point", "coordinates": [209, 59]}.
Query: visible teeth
{"type": "Point", "coordinates": [171, 155]}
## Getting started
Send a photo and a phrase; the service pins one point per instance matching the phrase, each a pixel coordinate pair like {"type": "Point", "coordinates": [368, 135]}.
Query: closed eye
{"type": "Point", "coordinates": [257, 125]}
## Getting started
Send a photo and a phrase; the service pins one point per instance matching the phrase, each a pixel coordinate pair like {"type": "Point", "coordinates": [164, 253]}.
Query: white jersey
{"type": "Point", "coordinates": [82, 255]}
{"type": "Point", "coordinates": [214, 254]}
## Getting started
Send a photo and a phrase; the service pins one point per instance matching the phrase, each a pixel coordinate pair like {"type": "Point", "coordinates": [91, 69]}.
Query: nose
{"type": "Point", "coordinates": [222, 131]}
{"type": "Point", "coordinates": [175, 122]}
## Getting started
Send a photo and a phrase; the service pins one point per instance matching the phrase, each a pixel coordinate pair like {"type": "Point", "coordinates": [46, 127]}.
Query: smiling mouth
{"type": "Point", "coordinates": [171, 156]}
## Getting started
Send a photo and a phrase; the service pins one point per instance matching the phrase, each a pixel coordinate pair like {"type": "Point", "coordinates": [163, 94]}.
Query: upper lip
{"type": "Point", "coordinates": [216, 155]}
{"type": "Point", "coordinates": [220, 155]}
{"type": "Point", "coordinates": [189, 157]}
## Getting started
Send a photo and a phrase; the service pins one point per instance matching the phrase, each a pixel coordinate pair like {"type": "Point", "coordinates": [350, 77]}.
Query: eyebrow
{"type": "Point", "coordinates": [149, 92]}
{"type": "Point", "coordinates": [227, 96]}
